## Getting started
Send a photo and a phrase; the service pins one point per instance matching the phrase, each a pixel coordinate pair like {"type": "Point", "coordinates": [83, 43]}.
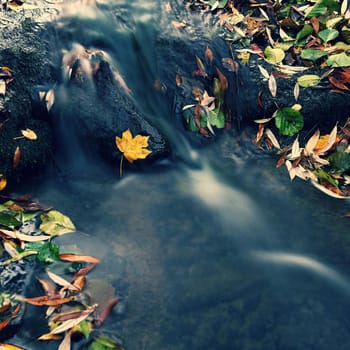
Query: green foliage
{"type": "Point", "coordinates": [340, 161]}
{"type": "Point", "coordinates": [308, 80]}
{"type": "Point", "coordinates": [289, 121]}
{"type": "Point", "coordinates": [9, 219]}
{"type": "Point", "coordinates": [339, 60]}
{"type": "Point", "coordinates": [55, 223]}
{"type": "Point", "coordinates": [328, 35]}
{"type": "Point", "coordinates": [312, 54]}
{"type": "Point", "coordinates": [47, 252]}
{"type": "Point", "coordinates": [104, 343]}
{"type": "Point", "coordinates": [274, 56]}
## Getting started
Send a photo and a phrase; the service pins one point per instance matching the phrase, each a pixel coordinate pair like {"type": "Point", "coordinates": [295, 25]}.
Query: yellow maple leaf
{"type": "Point", "coordinates": [3, 182]}
{"type": "Point", "coordinates": [133, 148]}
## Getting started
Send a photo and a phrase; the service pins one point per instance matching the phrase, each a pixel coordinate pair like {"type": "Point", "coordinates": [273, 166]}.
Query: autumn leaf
{"type": "Point", "coordinates": [133, 148]}
{"type": "Point", "coordinates": [16, 157]}
{"type": "Point", "coordinates": [29, 134]}
{"type": "Point", "coordinates": [3, 182]}
{"type": "Point", "coordinates": [9, 347]}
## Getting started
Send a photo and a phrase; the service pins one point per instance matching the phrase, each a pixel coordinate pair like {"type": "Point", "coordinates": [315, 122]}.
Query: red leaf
{"type": "Point", "coordinates": [106, 311]}
{"type": "Point", "coordinates": [16, 157]}
{"type": "Point", "coordinates": [223, 80]}
{"type": "Point", "coordinates": [335, 82]}
{"type": "Point", "coordinates": [44, 300]}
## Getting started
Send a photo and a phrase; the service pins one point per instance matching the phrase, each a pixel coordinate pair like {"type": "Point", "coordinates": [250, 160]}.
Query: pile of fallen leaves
{"type": "Point", "coordinates": [68, 310]}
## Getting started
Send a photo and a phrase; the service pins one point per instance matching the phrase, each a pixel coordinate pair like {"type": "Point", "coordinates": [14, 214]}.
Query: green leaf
{"type": "Point", "coordinates": [55, 223]}
{"type": "Point", "coordinates": [274, 56]}
{"type": "Point", "coordinates": [321, 174]}
{"type": "Point", "coordinates": [340, 161]}
{"type": "Point", "coordinates": [312, 54]}
{"type": "Point", "coordinates": [308, 80]}
{"type": "Point", "coordinates": [328, 35]}
{"type": "Point", "coordinates": [304, 32]}
{"type": "Point", "coordinates": [216, 118]}
{"type": "Point", "coordinates": [8, 219]}
{"type": "Point", "coordinates": [339, 60]}
{"type": "Point", "coordinates": [104, 343]}
{"type": "Point", "coordinates": [332, 22]}
{"type": "Point", "coordinates": [46, 251]}
{"type": "Point", "coordinates": [289, 121]}
{"type": "Point", "coordinates": [188, 115]}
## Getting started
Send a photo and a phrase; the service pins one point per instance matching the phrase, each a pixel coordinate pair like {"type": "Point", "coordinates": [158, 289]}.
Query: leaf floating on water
{"type": "Point", "coordinates": [328, 191]}
{"type": "Point", "coordinates": [223, 80]}
{"type": "Point", "coordinates": [79, 258]}
{"type": "Point", "coordinates": [29, 134]}
{"type": "Point", "coordinates": [16, 157]}
{"type": "Point", "coordinates": [272, 85]}
{"type": "Point", "coordinates": [178, 25]}
{"type": "Point", "coordinates": [62, 282]}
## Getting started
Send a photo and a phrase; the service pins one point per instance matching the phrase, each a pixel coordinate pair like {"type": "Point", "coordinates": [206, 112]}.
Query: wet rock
{"type": "Point", "coordinates": [95, 101]}
{"type": "Point", "coordinates": [27, 58]}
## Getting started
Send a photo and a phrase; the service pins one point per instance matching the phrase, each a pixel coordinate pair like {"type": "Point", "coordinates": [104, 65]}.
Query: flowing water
{"type": "Point", "coordinates": [215, 249]}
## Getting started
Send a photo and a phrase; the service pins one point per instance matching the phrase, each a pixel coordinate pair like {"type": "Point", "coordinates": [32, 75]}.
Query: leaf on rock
{"type": "Point", "coordinates": [308, 80]}
{"type": "Point", "coordinates": [289, 121]}
{"type": "Point", "coordinates": [55, 223]}
{"type": "Point", "coordinates": [274, 56]}
{"type": "Point", "coordinates": [312, 54]}
{"type": "Point", "coordinates": [272, 85]}
{"type": "Point", "coordinates": [327, 35]}
{"type": "Point", "coordinates": [29, 134]}
{"type": "Point", "coordinates": [3, 182]}
{"type": "Point", "coordinates": [339, 60]}
{"type": "Point", "coordinates": [16, 157]}
{"type": "Point", "coordinates": [133, 148]}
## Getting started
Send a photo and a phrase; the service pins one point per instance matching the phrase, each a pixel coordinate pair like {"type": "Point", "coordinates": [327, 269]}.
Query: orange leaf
{"type": "Point", "coordinates": [133, 148]}
{"type": "Point", "coordinates": [223, 80]}
{"type": "Point", "coordinates": [209, 54]}
{"type": "Point", "coordinates": [79, 258]}
{"type": "Point", "coordinates": [16, 157]}
{"type": "Point", "coordinates": [3, 182]}
{"type": "Point", "coordinates": [83, 271]}
{"type": "Point", "coordinates": [9, 347]}
{"type": "Point", "coordinates": [347, 215]}
{"type": "Point", "coordinates": [44, 300]}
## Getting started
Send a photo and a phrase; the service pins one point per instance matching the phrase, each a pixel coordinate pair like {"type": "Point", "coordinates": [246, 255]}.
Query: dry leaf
{"type": "Point", "coordinates": [264, 72]}
{"type": "Point", "coordinates": [133, 148]}
{"type": "Point", "coordinates": [272, 85]}
{"type": "Point", "coordinates": [29, 134]}
{"type": "Point", "coordinates": [296, 91]}
{"type": "Point", "coordinates": [16, 157]}
{"type": "Point", "coordinates": [272, 138]}
{"type": "Point", "coordinates": [223, 80]}
{"type": "Point", "coordinates": [62, 282]}
{"type": "Point", "coordinates": [3, 182]}
{"type": "Point", "coordinates": [79, 258]}
{"type": "Point", "coordinates": [312, 142]}
{"type": "Point", "coordinates": [66, 342]}
{"type": "Point", "coordinates": [209, 54]}
{"type": "Point", "coordinates": [50, 99]}
{"type": "Point", "coordinates": [10, 347]}
{"type": "Point", "coordinates": [178, 25]}
{"type": "Point", "coordinates": [2, 87]}
{"type": "Point", "coordinates": [46, 301]}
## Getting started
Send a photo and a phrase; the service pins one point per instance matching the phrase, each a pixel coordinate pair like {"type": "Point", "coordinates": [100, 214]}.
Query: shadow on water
{"type": "Point", "coordinates": [221, 255]}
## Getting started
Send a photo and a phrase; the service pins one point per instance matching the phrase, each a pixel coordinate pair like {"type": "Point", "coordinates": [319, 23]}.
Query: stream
{"type": "Point", "coordinates": [212, 249]}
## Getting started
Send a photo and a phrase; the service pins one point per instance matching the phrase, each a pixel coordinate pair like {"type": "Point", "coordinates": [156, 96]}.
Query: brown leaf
{"type": "Point", "coordinates": [49, 288]}
{"type": "Point", "coordinates": [260, 103]}
{"type": "Point", "coordinates": [66, 342]}
{"type": "Point", "coordinates": [62, 282]}
{"type": "Point", "coordinates": [83, 271]}
{"type": "Point", "coordinates": [259, 134]}
{"type": "Point", "coordinates": [281, 161]}
{"type": "Point", "coordinates": [4, 323]}
{"type": "Point", "coordinates": [79, 258]}
{"type": "Point", "coordinates": [106, 311]}
{"type": "Point", "coordinates": [79, 282]}
{"type": "Point", "coordinates": [223, 80]}
{"type": "Point", "coordinates": [29, 134]}
{"type": "Point", "coordinates": [3, 182]}
{"type": "Point", "coordinates": [16, 157]}
{"type": "Point", "coordinates": [46, 301]}
{"type": "Point", "coordinates": [230, 64]}
{"type": "Point", "coordinates": [335, 82]}
{"type": "Point", "coordinates": [209, 54]}
{"type": "Point", "coordinates": [347, 215]}
{"type": "Point", "coordinates": [315, 24]}
{"type": "Point", "coordinates": [178, 79]}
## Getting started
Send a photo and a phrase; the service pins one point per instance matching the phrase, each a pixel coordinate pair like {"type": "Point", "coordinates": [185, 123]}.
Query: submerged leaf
{"type": "Point", "coordinates": [29, 134]}
{"type": "Point", "coordinates": [3, 182]}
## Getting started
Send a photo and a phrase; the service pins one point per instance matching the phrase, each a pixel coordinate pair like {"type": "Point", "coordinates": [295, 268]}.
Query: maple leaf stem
{"type": "Point", "coordinates": [121, 166]}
